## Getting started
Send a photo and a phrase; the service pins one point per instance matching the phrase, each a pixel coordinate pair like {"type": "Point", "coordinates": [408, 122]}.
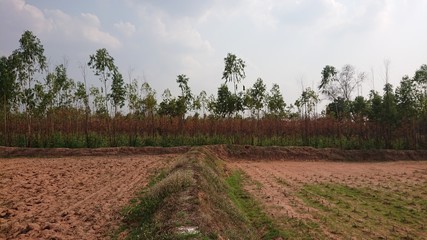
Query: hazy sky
{"type": "Point", "coordinates": [285, 42]}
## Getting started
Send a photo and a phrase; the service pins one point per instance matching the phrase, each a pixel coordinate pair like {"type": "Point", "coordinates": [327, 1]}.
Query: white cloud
{"type": "Point", "coordinates": [174, 31]}
{"type": "Point", "coordinates": [18, 16]}
{"type": "Point", "coordinates": [91, 30]}
{"type": "Point", "coordinates": [127, 28]}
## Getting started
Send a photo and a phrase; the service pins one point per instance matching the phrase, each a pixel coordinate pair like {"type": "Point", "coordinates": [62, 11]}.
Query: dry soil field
{"type": "Point", "coordinates": [337, 200]}
{"type": "Point", "coordinates": [81, 197]}
{"type": "Point", "coordinates": [70, 197]}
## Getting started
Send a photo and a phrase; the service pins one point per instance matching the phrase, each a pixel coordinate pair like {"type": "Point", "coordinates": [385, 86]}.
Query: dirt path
{"type": "Point", "coordinates": [278, 183]}
{"type": "Point", "coordinates": [71, 197]}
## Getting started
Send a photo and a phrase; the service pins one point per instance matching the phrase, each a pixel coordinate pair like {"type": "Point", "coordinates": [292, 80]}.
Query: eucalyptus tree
{"type": "Point", "coordinates": [98, 101]}
{"type": "Point", "coordinates": [59, 89]}
{"type": "Point", "coordinates": [339, 108]}
{"type": "Point", "coordinates": [168, 104]}
{"type": "Point", "coordinates": [420, 79]}
{"type": "Point", "coordinates": [7, 83]}
{"type": "Point", "coordinates": [28, 60]}
{"type": "Point", "coordinates": [226, 102]}
{"type": "Point", "coordinates": [389, 106]}
{"type": "Point", "coordinates": [148, 100]}
{"type": "Point", "coordinates": [336, 84]}
{"type": "Point", "coordinates": [275, 103]}
{"type": "Point", "coordinates": [184, 101]}
{"type": "Point", "coordinates": [118, 92]}
{"type": "Point", "coordinates": [375, 106]}
{"type": "Point", "coordinates": [203, 101]}
{"type": "Point", "coordinates": [254, 97]}
{"type": "Point", "coordinates": [81, 97]}
{"type": "Point", "coordinates": [200, 103]}
{"type": "Point", "coordinates": [407, 99]}
{"type": "Point", "coordinates": [7, 92]}
{"type": "Point", "coordinates": [103, 66]}
{"type": "Point", "coordinates": [234, 70]}
{"type": "Point", "coordinates": [306, 102]}
{"type": "Point", "coordinates": [389, 114]}
{"type": "Point", "coordinates": [359, 109]}
{"type": "Point", "coordinates": [134, 97]}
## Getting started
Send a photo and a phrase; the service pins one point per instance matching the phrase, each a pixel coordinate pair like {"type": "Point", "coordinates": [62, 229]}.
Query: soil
{"type": "Point", "coordinates": [8, 152]}
{"type": "Point", "coordinates": [79, 193]}
{"type": "Point", "coordinates": [70, 197]}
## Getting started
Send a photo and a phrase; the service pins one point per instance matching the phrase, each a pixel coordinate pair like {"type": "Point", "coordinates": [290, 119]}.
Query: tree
{"type": "Point", "coordinates": [148, 102]}
{"type": "Point", "coordinates": [306, 102]}
{"type": "Point", "coordinates": [99, 105]}
{"type": "Point", "coordinates": [7, 91]}
{"type": "Point", "coordinates": [226, 103]}
{"type": "Point", "coordinates": [420, 79]}
{"type": "Point", "coordinates": [200, 103]}
{"type": "Point", "coordinates": [359, 109]}
{"type": "Point", "coordinates": [7, 83]}
{"type": "Point", "coordinates": [234, 70]}
{"type": "Point", "coordinates": [29, 59]}
{"type": "Point", "coordinates": [329, 75]}
{"type": "Point", "coordinates": [184, 101]}
{"type": "Point", "coordinates": [118, 92]}
{"type": "Point", "coordinates": [275, 103]}
{"type": "Point", "coordinates": [254, 98]}
{"type": "Point", "coordinates": [177, 106]}
{"type": "Point", "coordinates": [389, 113]}
{"type": "Point", "coordinates": [406, 97]}
{"type": "Point", "coordinates": [167, 105]}
{"type": "Point", "coordinates": [339, 108]}
{"type": "Point", "coordinates": [103, 66]}
{"type": "Point", "coordinates": [59, 89]}
{"type": "Point", "coordinates": [340, 84]}
{"type": "Point", "coordinates": [375, 103]}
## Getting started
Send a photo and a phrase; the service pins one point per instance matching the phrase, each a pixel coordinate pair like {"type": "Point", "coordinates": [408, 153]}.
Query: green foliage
{"type": "Point", "coordinates": [7, 83]}
{"type": "Point", "coordinates": [103, 66]}
{"type": "Point", "coordinates": [234, 70]}
{"type": "Point", "coordinates": [275, 103]}
{"type": "Point", "coordinates": [191, 193]}
{"type": "Point", "coordinates": [328, 76]}
{"type": "Point", "coordinates": [251, 209]}
{"type": "Point", "coordinates": [307, 102]}
{"type": "Point", "coordinates": [227, 103]}
{"type": "Point", "coordinates": [254, 98]}
{"type": "Point", "coordinates": [384, 212]}
{"type": "Point", "coordinates": [118, 92]}
{"type": "Point", "coordinates": [393, 119]}
{"type": "Point", "coordinates": [359, 108]}
{"type": "Point", "coordinates": [339, 108]}
{"type": "Point", "coordinates": [406, 98]}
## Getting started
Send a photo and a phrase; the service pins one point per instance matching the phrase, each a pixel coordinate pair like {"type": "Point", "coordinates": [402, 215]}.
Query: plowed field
{"type": "Point", "coordinates": [70, 197]}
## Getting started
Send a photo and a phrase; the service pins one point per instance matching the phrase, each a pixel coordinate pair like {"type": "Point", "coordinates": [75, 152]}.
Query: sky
{"type": "Point", "coordinates": [284, 42]}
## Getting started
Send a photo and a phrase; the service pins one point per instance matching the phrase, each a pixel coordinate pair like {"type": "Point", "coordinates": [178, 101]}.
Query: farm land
{"type": "Point", "coordinates": [99, 194]}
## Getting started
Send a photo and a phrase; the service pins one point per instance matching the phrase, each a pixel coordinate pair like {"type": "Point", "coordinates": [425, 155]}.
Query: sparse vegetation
{"type": "Point", "coordinates": [193, 195]}
{"type": "Point", "coordinates": [362, 212]}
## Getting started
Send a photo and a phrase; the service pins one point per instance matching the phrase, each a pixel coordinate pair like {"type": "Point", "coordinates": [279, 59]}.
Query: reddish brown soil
{"type": "Point", "coordinates": [70, 197]}
{"type": "Point", "coordinates": [277, 182]}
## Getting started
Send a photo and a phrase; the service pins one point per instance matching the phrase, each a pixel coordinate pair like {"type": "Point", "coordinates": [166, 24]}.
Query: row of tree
{"type": "Point", "coordinates": [29, 90]}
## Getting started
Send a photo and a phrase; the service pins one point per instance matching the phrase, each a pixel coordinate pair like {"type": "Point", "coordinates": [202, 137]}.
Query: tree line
{"type": "Point", "coordinates": [41, 106]}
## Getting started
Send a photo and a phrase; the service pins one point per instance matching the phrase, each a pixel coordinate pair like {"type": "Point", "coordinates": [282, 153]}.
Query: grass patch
{"type": "Point", "coordinates": [251, 209]}
{"type": "Point", "coordinates": [193, 200]}
{"type": "Point", "coordinates": [365, 212]}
